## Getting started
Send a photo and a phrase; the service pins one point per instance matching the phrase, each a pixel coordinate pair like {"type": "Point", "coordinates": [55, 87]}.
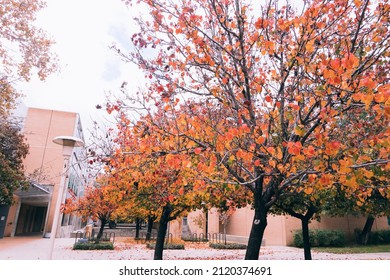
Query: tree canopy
{"type": "Point", "coordinates": [13, 150]}
{"type": "Point", "coordinates": [271, 99]}
{"type": "Point", "coordinates": [24, 48]}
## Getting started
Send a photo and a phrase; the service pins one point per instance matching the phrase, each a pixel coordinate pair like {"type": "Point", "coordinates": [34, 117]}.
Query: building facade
{"type": "Point", "coordinates": [280, 228]}
{"type": "Point", "coordinates": [33, 210]}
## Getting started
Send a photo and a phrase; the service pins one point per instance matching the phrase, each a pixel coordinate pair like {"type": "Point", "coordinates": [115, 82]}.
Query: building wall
{"type": "Point", "coordinates": [280, 229]}
{"type": "Point", "coordinates": [45, 159]}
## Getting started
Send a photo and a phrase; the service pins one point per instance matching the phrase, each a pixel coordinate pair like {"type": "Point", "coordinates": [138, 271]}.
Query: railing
{"type": "Point", "coordinates": [88, 237]}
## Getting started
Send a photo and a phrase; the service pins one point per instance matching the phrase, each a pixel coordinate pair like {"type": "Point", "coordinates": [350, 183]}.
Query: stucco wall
{"type": "Point", "coordinates": [280, 229]}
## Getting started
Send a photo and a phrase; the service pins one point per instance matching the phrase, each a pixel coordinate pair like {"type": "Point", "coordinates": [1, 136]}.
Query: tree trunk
{"type": "Point", "coordinates": [162, 231]}
{"type": "Point", "coordinates": [364, 235]}
{"type": "Point", "coordinates": [224, 232]}
{"type": "Point", "coordinates": [100, 233]}
{"type": "Point", "coordinates": [137, 228]}
{"type": "Point", "coordinates": [257, 231]}
{"type": "Point", "coordinates": [306, 238]}
{"type": "Point", "coordinates": [150, 227]}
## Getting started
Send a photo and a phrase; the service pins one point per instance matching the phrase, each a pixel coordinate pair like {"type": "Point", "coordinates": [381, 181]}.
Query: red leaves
{"type": "Point", "coordinates": [294, 148]}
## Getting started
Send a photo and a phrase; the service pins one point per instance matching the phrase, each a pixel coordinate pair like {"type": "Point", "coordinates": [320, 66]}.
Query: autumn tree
{"type": "Point", "coordinates": [24, 48]}
{"type": "Point", "coordinates": [365, 191]}
{"type": "Point", "coordinates": [98, 203]}
{"type": "Point", "coordinates": [156, 167]}
{"type": "Point", "coordinates": [281, 76]}
{"type": "Point", "coordinates": [13, 150]}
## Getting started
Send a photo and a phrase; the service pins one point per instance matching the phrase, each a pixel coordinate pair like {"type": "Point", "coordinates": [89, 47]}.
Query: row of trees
{"type": "Point", "coordinates": [282, 108]}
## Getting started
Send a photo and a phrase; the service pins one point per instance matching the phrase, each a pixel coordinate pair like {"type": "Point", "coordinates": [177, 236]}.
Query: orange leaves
{"type": "Point", "coordinates": [338, 70]}
{"type": "Point", "coordinates": [349, 61]}
{"type": "Point", "coordinates": [294, 148]}
{"type": "Point", "coordinates": [282, 98]}
{"type": "Point", "coordinates": [309, 151]}
{"type": "Point", "coordinates": [260, 140]}
{"type": "Point", "coordinates": [261, 23]}
{"type": "Point", "coordinates": [326, 180]}
{"type": "Point", "coordinates": [332, 148]}
{"type": "Point", "coordinates": [345, 165]}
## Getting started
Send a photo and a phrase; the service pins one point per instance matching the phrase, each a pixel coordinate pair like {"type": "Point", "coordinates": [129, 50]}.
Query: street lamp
{"type": "Point", "coordinates": [67, 143]}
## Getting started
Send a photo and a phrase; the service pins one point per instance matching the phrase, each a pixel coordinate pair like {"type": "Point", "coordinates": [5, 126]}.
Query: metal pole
{"type": "Point", "coordinates": [61, 190]}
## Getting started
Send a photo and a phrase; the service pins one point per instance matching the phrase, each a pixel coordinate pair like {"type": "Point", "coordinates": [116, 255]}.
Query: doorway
{"type": "Point", "coordinates": [31, 219]}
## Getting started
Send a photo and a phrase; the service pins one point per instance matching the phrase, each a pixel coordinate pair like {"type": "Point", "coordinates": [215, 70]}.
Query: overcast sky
{"type": "Point", "coordinates": [83, 31]}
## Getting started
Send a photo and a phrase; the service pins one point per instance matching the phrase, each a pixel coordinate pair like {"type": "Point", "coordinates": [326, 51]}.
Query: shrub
{"type": "Point", "coordinates": [228, 246]}
{"type": "Point", "coordinates": [167, 246]}
{"type": "Point", "coordinates": [298, 239]}
{"type": "Point", "coordinates": [93, 246]}
{"type": "Point", "coordinates": [375, 237]}
{"type": "Point", "coordinates": [321, 238]}
{"type": "Point", "coordinates": [194, 239]}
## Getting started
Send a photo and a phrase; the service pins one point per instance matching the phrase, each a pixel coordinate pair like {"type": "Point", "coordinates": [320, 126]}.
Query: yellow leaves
{"type": "Point", "coordinates": [345, 164]}
{"type": "Point", "coordinates": [367, 173]}
{"type": "Point", "coordinates": [300, 130]}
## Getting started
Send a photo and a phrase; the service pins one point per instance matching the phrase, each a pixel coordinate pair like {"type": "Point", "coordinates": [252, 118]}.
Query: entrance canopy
{"type": "Point", "coordinates": [35, 193]}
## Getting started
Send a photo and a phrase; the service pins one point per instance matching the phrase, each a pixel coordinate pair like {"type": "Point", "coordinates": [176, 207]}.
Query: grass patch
{"type": "Point", "coordinates": [355, 249]}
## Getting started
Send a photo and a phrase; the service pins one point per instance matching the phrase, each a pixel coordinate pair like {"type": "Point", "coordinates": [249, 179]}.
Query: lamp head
{"type": "Point", "coordinates": [68, 143]}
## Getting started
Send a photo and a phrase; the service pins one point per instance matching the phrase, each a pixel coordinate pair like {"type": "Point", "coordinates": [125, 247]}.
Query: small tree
{"type": "Point", "coordinates": [98, 203]}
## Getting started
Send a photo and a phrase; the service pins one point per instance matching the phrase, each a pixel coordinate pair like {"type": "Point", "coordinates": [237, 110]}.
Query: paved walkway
{"type": "Point", "coordinates": [37, 248]}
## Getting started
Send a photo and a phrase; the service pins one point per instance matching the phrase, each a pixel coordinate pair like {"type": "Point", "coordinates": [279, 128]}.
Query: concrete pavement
{"type": "Point", "coordinates": [37, 248]}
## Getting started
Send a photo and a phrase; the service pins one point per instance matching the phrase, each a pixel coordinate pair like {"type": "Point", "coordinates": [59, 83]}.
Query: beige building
{"type": "Point", "coordinates": [34, 209]}
{"type": "Point", "coordinates": [279, 231]}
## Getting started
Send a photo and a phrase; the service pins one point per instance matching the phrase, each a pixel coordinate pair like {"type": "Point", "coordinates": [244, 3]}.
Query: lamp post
{"type": "Point", "coordinates": [68, 143]}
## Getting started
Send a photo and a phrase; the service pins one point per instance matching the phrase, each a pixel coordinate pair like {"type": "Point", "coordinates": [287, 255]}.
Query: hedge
{"type": "Point", "coordinates": [228, 246]}
{"type": "Point", "coordinates": [168, 246]}
{"type": "Point", "coordinates": [194, 239]}
{"type": "Point", "coordinates": [93, 246]}
{"type": "Point", "coordinates": [376, 237]}
{"type": "Point", "coordinates": [321, 238]}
